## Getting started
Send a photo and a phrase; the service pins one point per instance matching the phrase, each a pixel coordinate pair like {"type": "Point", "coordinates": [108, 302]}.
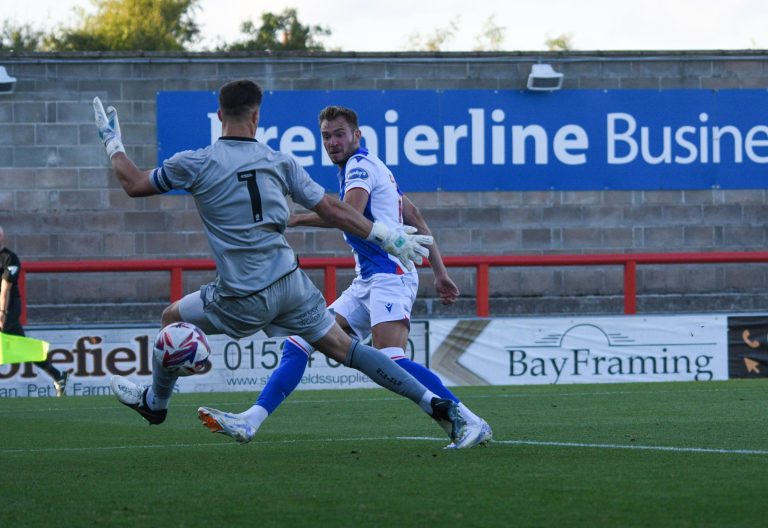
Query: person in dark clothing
{"type": "Point", "coordinates": [10, 310]}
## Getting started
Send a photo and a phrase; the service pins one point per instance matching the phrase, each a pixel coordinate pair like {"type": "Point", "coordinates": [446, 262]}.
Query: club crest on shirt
{"type": "Point", "coordinates": [357, 174]}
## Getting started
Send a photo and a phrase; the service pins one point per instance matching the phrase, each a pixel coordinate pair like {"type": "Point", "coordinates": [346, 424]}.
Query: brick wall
{"type": "Point", "coordinates": [59, 200]}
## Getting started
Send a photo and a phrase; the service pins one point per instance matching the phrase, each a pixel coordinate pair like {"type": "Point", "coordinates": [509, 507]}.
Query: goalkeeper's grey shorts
{"type": "Point", "coordinates": [291, 305]}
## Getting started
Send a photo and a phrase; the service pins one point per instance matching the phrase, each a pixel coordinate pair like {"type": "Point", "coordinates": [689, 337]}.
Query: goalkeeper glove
{"type": "Point", "coordinates": [405, 244]}
{"type": "Point", "coordinates": [108, 127]}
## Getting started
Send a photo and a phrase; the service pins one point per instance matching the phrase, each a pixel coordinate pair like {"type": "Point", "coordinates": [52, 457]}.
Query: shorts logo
{"type": "Point", "coordinates": [13, 270]}
{"type": "Point", "coordinates": [388, 306]}
{"type": "Point", "coordinates": [311, 316]}
{"type": "Point", "coordinates": [357, 174]}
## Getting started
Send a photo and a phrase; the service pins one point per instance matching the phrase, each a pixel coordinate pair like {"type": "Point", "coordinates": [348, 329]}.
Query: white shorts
{"type": "Point", "coordinates": [381, 298]}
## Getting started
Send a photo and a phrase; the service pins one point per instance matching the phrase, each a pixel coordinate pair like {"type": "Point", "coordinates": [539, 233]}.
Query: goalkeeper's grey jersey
{"type": "Point", "coordinates": [240, 188]}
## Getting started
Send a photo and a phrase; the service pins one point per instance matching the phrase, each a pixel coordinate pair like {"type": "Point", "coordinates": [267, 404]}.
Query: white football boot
{"type": "Point", "coordinates": [483, 436]}
{"type": "Point", "coordinates": [227, 423]}
{"type": "Point", "coordinates": [135, 396]}
{"type": "Point", "coordinates": [61, 384]}
{"type": "Point", "coordinates": [463, 435]}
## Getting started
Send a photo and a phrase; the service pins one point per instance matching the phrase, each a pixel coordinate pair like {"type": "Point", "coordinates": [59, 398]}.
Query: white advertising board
{"type": "Point", "coordinates": [526, 351]}
{"type": "Point", "coordinates": [505, 351]}
{"type": "Point", "coordinates": [96, 354]}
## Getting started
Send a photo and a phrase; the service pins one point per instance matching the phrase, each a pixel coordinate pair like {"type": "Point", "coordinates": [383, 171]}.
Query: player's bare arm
{"type": "Point", "coordinates": [5, 293]}
{"type": "Point", "coordinates": [444, 285]}
{"type": "Point", "coordinates": [307, 220]}
{"type": "Point", "coordinates": [406, 246]}
{"type": "Point", "coordinates": [135, 182]}
{"type": "Point", "coordinates": [338, 214]}
{"type": "Point", "coordinates": [356, 198]}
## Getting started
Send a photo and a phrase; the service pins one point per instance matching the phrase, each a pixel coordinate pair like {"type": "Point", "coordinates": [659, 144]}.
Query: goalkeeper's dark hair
{"type": "Point", "coordinates": [329, 113]}
{"type": "Point", "coordinates": [239, 99]}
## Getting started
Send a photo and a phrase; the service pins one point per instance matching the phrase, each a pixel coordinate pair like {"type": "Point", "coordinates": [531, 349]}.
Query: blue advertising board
{"type": "Point", "coordinates": [483, 140]}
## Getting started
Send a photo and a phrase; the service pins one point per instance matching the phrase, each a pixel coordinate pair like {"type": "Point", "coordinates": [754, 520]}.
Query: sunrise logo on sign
{"type": "Point", "coordinates": [589, 351]}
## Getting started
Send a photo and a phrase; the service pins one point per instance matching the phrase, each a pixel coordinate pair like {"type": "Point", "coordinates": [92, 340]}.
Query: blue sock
{"type": "Point", "coordinates": [285, 378]}
{"type": "Point", "coordinates": [427, 378]}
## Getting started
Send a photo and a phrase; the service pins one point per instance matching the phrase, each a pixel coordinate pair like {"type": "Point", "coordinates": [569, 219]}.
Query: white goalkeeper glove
{"type": "Point", "coordinates": [406, 245]}
{"type": "Point", "coordinates": [108, 127]}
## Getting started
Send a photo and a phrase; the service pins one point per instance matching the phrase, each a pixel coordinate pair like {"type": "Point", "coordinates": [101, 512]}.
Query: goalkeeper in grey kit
{"type": "Point", "coordinates": [240, 186]}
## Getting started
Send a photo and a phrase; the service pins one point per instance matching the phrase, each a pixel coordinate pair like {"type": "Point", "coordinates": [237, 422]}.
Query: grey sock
{"type": "Point", "coordinates": [162, 383]}
{"type": "Point", "coordinates": [382, 370]}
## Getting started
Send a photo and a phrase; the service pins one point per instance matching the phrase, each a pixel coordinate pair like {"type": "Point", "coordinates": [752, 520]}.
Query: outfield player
{"type": "Point", "coordinates": [240, 188]}
{"type": "Point", "coordinates": [10, 310]}
{"type": "Point", "coordinates": [378, 303]}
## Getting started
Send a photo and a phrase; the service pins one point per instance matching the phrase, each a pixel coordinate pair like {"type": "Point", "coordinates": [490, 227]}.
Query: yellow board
{"type": "Point", "coordinates": [18, 349]}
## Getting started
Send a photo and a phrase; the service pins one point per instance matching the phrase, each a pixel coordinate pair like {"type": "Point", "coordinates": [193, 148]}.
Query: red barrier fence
{"type": "Point", "coordinates": [481, 263]}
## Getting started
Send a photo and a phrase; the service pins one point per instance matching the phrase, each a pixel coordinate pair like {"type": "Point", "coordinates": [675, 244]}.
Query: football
{"type": "Point", "coordinates": [182, 349]}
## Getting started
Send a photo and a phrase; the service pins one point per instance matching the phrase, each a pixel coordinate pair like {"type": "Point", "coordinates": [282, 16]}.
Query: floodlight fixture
{"type": "Point", "coordinates": [7, 83]}
{"type": "Point", "coordinates": [544, 78]}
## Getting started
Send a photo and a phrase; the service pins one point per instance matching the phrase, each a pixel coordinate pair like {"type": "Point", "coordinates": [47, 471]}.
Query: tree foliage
{"type": "Point", "coordinates": [279, 32]}
{"type": "Point", "coordinates": [20, 38]}
{"type": "Point", "coordinates": [169, 25]}
{"type": "Point", "coordinates": [560, 43]}
{"type": "Point", "coordinates": [130, 25]}
{"type": "Point", "coordinates": [492, 36]}
{"type": "Point", "coordinates": [436, 40]}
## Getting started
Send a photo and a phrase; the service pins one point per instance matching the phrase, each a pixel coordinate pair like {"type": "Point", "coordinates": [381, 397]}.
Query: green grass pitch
{"type": "Point", "coordinates": [651, 454]}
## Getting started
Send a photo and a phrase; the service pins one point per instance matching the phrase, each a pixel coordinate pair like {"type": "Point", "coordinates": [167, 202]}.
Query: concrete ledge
{"type": "Point", "coordinates": [539, 306]}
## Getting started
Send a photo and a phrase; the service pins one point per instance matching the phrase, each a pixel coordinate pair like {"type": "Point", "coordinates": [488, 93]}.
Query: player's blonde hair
{"type": "Point", "coordinates": [329, 113]}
